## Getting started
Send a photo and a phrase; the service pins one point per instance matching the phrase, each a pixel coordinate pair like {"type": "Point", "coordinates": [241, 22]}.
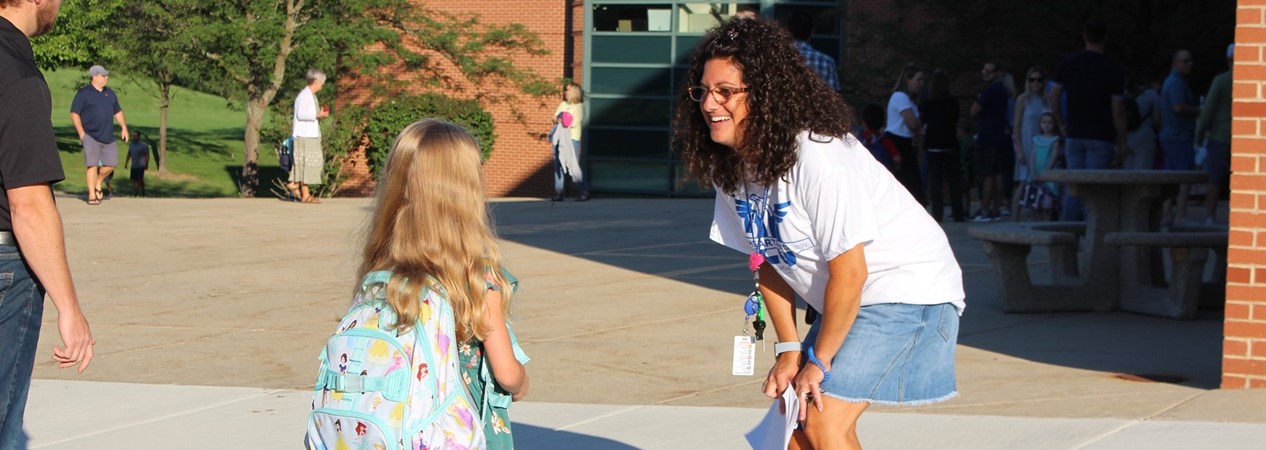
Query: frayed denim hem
{"type": "Point", "coordinates": [892, 403]}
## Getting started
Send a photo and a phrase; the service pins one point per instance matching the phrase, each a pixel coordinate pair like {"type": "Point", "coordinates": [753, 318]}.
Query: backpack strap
{"type": "Point", "coordinates": [394, 386]}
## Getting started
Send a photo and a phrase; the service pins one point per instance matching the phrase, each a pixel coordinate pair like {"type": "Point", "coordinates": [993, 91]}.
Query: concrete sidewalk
{"type": "Point", "coordinates": [209, 314]}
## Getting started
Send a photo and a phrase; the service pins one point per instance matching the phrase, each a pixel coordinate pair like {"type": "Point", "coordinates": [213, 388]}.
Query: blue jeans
{"type": "Point", "coordinates": [578, 178]}
{"type": "Point", "coordinates": [1180, 154]}
{"type": "Point", "coordinates": [1084, 154]}
{"type": "Point", "coordinates": [21, 308]}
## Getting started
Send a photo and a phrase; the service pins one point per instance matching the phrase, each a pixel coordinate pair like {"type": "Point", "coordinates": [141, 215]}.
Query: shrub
{"type": "Point", "coordinates": [387, 120]}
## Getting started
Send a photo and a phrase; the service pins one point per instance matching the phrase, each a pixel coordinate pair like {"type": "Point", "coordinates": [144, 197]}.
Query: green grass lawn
{"type": "Point", "coordinates": [204, 139]}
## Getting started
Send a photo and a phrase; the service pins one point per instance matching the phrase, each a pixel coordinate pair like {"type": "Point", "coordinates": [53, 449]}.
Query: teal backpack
{"type": "Point", "coordinates": [380, 389]}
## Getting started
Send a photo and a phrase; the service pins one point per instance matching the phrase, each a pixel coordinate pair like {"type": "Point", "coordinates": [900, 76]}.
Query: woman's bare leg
{"type": "Point", "coordinates": [834, 428]}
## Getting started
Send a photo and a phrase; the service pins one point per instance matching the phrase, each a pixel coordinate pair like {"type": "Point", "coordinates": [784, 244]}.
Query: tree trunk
{"type": "Point", "coordinates": [164, 102]}
{"type": "Point", "coordinates": [255, 109]}
{"type": "Point", "coordinates": [257, 101]}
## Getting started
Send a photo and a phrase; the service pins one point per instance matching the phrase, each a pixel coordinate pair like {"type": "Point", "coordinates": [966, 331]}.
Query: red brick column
{"type": "Point", "coordinates": [1244, 344]}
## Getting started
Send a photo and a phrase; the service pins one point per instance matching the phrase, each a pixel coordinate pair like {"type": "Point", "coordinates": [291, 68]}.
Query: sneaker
{"type": "Point", "coordinates": [1006, 211]}
{"type": "Point", "coordinates": [982, 217]}
{"type": "Point", "coordinates": [556, 198]}
{"type": "Point", "coordinates": [583, 198]}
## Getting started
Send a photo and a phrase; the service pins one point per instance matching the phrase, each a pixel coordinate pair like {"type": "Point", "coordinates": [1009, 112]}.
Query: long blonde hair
{"type": "Point", "coordinates": [430, 219]}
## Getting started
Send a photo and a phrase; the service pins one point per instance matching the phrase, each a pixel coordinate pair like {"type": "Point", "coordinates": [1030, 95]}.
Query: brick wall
{"type": "Point", "coordinates": [1244, 347]}
{"type": "Point", "coordinates": [521, 162]}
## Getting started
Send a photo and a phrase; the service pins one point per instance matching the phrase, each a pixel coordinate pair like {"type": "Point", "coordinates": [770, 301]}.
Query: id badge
{"type": "Point", "coordinates": [744, 356]}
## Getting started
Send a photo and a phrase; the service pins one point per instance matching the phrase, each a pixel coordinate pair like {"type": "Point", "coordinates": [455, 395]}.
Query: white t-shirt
{"type": "Point", "coordinates": [836, 197]}
{"type": "Point", "coordinates": [896, 104]}
{"type": "Point", "coordinates": [305, 119]}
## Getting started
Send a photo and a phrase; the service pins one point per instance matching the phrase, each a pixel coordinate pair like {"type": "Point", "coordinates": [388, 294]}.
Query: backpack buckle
{"type": "Point", "coordinates": [353, 383]}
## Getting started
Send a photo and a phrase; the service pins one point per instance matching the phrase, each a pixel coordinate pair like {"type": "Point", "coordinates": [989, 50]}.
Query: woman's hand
{"type": "Point", "coordinates": [808, 386]}
{"type": "Point", "coordinates": [780, 376]}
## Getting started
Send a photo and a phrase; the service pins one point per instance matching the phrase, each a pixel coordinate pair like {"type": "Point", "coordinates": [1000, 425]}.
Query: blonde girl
{"type": "Point", "coordinates": [430, 228]}
{"type": "Point", "coordinates": [1046, 151]}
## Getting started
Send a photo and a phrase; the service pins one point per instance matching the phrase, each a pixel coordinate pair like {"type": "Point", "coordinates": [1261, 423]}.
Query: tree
{"type": "Point", "coordinates": [78, 38]}
{"type": "Point", "coordinates": [242, 49]}
{"type": "Point", "coordinates": [247, 51]}
{"type": "Point", "coordinates": [151, 46]}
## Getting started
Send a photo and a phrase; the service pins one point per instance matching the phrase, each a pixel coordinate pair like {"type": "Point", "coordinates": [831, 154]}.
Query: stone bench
{"type": "Point", "coordinates": [1188, 252]}
{"type": "Point", "coordinates": [1213, 290]}
{"type": "Point", "coordinates": [1008, 247]}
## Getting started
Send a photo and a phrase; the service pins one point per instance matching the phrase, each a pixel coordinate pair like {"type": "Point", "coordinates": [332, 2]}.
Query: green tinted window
{"type": "Point", "coordinates": [630, 176]}
{"type": "Point", "coordinates": [630, 81]}
{"type": "Point", "coordinates": [685, 44]}
{"type": "Point", "coordinates": [629, 112]}
{"type": "Point", "coordinates": [628, 143]}
{"type": "Point", "coordinates": [632, 49]}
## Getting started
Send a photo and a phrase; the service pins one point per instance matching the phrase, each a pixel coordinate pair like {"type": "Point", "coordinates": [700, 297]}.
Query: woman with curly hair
{"type": "Point", "coordinates": [823, 220]}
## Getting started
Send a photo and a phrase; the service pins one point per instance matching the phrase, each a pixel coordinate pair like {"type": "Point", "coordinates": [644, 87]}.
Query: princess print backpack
{"type": "Point", "coordinates": [380, 389]}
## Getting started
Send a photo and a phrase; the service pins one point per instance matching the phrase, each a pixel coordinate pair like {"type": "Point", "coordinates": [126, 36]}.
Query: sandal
{"type": "Point", "coordinates": [312, 200]}
{"type": "Point", "coordinates": [94, 201]}
{"type": "Point", "coordinates": [94, 197]}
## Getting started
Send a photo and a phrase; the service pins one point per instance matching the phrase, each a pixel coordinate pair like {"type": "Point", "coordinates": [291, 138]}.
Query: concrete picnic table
{"type": "Point", "coordinates": [1120, 201]}
{"type": "Point", "coordinates": [1110, 261]}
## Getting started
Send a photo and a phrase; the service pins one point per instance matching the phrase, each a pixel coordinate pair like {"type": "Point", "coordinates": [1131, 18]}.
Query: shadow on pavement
{"type": "Point", "coordinates": [528, 437]}
{"type": "Point", "coordinates": [669, 238]}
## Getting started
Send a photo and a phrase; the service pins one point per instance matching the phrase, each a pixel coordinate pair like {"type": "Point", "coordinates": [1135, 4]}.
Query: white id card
{"type": "Point", "coordinates": [744, 355]}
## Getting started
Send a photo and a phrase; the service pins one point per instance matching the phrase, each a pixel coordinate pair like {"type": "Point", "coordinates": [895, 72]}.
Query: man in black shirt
{"type": "Point", "coordinates": [32, 246]}
{"type": "Point", "coordinates": [1096, 109]}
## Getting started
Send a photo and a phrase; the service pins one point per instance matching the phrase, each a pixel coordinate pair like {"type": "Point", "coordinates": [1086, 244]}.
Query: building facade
{"type": "Point", "coordinates": [630, 56]}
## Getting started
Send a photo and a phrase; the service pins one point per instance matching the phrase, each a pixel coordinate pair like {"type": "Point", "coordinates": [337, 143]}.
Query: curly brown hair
{"type": "Point", "coordinates": [784, 98]}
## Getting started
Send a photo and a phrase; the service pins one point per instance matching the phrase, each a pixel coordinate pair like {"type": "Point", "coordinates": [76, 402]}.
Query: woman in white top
{"type": "Point", "coordinates": [309, 160]}
{"type": "Point", "coordinates": [903, 124]}
{"type": "Point", "coordinates": [822, 219]}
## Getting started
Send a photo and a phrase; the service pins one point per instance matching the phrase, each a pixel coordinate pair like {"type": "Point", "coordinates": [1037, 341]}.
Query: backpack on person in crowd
{"type": "Point", "coordinates": [286, 154]}
{"type": "Point", "coordinates": [878, 145]}
{"type": "Point", "coordinates": [1133, 116]}
{"type": "Point", "coordinates": [380, 388]}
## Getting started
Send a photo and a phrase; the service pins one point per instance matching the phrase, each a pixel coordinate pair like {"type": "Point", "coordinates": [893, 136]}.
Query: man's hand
{"type": "Point", "coordinates": [77, 336]}
{"type": "Point", "coordinates": [127, 137]}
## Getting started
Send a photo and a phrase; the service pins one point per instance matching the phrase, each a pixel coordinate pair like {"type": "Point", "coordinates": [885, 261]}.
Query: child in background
{"type": "Point", "coordinates": [1046, 152]}
{"type": "Point", "coordinates": [873, 138]}
{"type": "Point", "coordinates": [138, 160]}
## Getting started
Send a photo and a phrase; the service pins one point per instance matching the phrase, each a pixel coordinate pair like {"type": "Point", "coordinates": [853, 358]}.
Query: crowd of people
{"type": "Point", "coordinates": [1082, 115]}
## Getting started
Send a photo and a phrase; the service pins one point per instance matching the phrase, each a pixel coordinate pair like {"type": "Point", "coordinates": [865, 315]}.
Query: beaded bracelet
{"type": "Point", "coordinates": [826, 374]}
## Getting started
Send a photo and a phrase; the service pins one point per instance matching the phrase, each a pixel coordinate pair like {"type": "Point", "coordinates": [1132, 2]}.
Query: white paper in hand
{"type": "Point", "coordinates": [774, 431]}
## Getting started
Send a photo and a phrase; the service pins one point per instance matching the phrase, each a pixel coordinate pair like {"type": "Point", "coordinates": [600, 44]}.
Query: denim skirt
{"type": "Point", "coordinates": [895, 354]}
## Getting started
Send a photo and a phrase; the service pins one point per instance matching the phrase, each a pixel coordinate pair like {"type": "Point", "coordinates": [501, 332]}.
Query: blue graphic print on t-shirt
{"type": "Point", "coordinates": [760, 223]}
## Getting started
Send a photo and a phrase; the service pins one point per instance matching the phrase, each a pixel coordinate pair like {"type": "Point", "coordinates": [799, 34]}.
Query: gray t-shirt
{"type": "Point", "coordinates": [138, 152]}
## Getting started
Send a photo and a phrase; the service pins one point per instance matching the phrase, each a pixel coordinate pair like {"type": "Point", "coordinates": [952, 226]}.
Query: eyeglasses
{"type": "Point", "coordinates": [720, 93]}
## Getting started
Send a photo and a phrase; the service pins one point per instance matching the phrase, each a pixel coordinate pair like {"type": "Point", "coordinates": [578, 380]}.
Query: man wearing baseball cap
{"type": "Point", "coordinates": [93, 111]}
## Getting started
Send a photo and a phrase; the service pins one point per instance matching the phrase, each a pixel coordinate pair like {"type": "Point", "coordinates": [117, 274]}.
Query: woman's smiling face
{"type": "Point", "coordinates": [725, 118]}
